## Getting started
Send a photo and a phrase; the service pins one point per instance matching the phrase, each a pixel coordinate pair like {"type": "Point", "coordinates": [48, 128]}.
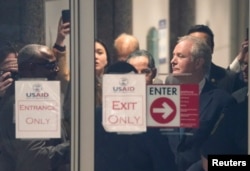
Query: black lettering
{"type": "Point", "coordinates": [163, 91]}
{"type": "Point", "coordinates": [151, 91]}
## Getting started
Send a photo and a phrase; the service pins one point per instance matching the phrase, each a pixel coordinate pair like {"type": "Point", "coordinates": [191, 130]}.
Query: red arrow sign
{"type": "Point", "coordinates": [163, 110]}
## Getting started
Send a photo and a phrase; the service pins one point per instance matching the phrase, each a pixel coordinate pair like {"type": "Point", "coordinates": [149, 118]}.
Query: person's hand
{"type": "Point", "coordinates": [5, 82]}
{"type": "Point", "coordinates": [62, 31]}
{"type": "Point", "coordinates": [10, 64]}
{"type": "Point", "coordinates": [243, 51]}
{"type": "Point", "coordinates": [204, 163]}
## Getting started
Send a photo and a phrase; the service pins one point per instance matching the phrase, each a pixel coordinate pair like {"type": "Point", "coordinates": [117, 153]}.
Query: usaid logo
{"type": "Point", "coordinates": [123, 81]}
{"type": "Point", "coordinates": [124, 86]}
{"type": "Point", "coordinates": [37, 92]}
{"type": "Point", "coordinates": [37, 88]}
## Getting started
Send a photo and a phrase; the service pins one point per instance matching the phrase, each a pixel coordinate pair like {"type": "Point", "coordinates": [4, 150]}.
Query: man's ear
{"type": "Point", "coordinates": [199, 63]}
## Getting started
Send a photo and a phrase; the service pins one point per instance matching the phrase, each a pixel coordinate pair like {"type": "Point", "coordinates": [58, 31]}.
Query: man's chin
{"type": "Point", "coordinates": [179, 74]}
{"type": "Point", "coordinates": [175, 72]}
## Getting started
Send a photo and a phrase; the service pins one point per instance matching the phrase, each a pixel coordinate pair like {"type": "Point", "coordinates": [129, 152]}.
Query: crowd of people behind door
{"type": "Point", "coordinates": [222, 92]}
{"type": "Point", "coordinates": [222, 106]}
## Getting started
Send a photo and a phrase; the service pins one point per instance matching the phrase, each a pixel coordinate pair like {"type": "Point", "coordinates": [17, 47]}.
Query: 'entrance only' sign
{"type": "Point", "coordinates": [38, 109]}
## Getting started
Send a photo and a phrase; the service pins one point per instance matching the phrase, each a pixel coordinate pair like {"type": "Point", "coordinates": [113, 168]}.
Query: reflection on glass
{"type": "Point", "coordinates": [184, 66]}
{"type": "Point", "coordinates": [34, 89]}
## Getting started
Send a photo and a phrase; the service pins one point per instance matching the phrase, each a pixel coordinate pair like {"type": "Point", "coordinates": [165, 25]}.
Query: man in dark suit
{"type": "Point", "coordinates": [192, 56]}
{"type": "Point", "coordinates": [230, 135]}
{"type": "Point", "coordinates": [218, 76]}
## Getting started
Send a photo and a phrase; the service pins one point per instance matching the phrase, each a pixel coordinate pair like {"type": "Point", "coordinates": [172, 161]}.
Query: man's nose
{"type": "Point", "coordinates": [173, 61]}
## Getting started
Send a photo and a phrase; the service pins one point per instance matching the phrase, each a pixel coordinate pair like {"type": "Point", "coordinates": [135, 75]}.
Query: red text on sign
{"type": "Point", "coordinates": [118, 105]}
{"type": "Point", "coordinates": [37, 121]}
{"type": "Point", "coordinates": [132, 120]}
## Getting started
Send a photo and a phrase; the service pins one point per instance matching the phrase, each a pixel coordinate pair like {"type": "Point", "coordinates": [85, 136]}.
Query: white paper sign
{"type": "Point", "coordinates": [124, 101]}
{"type": "Point", "coordinates": [38, 109]}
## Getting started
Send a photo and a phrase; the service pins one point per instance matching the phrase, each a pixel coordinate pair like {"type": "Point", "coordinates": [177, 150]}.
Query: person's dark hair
{"type": "Point", "coordinates": [107, 51]}
{"type": "Point", "coordinates": [28, 54]}
{"type": "Point", "coordinates": [120, 67]}
{"type": "Point", "coordinates": [151, 62]}
{"type": "Point", "coordinates": [204, 29]}
{"type": "Point", "coordinates": [5, 49]}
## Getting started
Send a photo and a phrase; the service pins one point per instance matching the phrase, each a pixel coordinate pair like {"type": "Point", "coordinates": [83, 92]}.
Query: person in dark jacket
{"type": "Point", "coordinates": [34, 61]}
{"type": "Point", "coordinates": [222, 78]}
{"type": "Point", "coordinates": [192, 56]}
{"type": "Point", "coordinates": [230, 135]}
{"type": "Point", "coordinates": [147, 151]}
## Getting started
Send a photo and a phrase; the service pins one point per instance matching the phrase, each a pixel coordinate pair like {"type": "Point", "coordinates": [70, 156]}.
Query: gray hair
{"type": "Point", "coordinates": [137, 53]}
{"type": "Point", "coordinates": [200, 49]}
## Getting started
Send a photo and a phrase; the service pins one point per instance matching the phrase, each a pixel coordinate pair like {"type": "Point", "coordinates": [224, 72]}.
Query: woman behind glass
{"type": "Point", "coordinates": [102, 61]}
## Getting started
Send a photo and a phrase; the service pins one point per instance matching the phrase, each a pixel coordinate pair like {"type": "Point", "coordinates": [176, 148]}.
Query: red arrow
{"type": "Point", "coordinates": [166, 110]}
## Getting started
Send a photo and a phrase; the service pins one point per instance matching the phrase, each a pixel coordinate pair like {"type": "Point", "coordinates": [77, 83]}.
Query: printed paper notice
{"type": "Point", "coordinates": [124, 102]}
{"type": "Point", "coordinates": [38, 109]}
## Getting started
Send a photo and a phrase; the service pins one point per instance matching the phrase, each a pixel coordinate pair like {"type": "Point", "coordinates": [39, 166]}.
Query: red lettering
{"type": "Point", "coordinates": [117, 105]}
{"type": "Point", "coordinates": [123, 120]}
{"type": "Point", "coordinates": [38, 121]}
{"type": "Point", "coordinates": [29, 120]}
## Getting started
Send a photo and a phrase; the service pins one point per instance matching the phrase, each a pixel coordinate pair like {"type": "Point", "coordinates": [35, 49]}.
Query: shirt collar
{"type": "Point", "coordinates": [201, 84]}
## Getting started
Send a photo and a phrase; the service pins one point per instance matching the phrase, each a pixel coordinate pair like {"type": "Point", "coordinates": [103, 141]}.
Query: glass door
{"type": "Point", "coordinates": [47, 80]}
